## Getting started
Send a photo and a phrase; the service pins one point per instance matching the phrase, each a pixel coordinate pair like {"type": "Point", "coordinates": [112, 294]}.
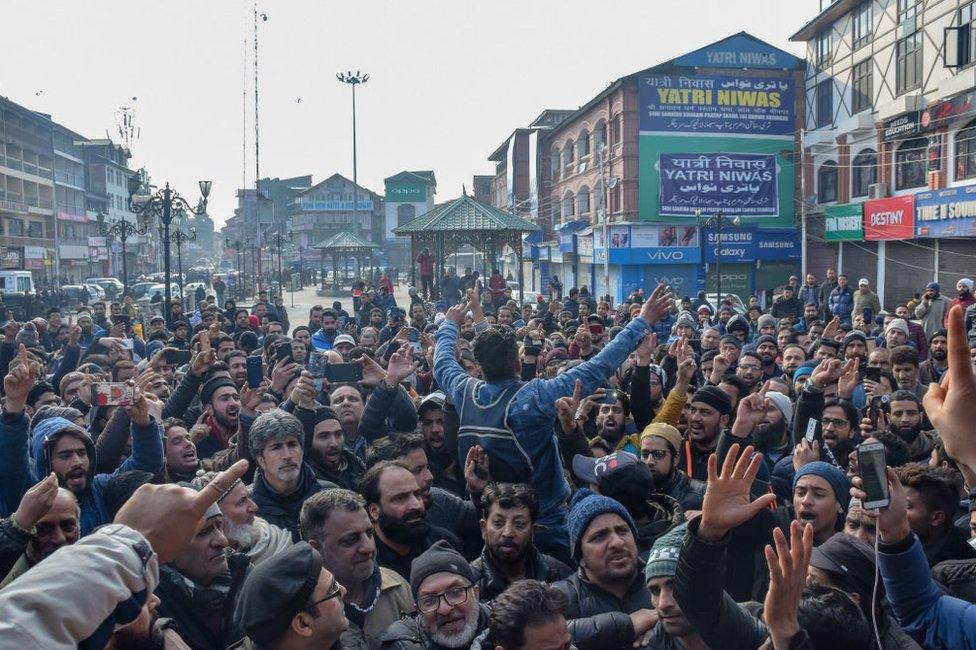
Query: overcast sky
{"type": "Point", "coordinates": [449, 79]}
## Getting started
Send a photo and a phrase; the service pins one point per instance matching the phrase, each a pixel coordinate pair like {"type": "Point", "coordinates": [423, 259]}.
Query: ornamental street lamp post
{"type": "Point", "coordinates": [123, 230]}
{"type": "Point", "coordinates": [717, 222]}
{"type": "Point", "coordinates": [179, 238]}
{"type": "Point", "coordinates": [164, 204]}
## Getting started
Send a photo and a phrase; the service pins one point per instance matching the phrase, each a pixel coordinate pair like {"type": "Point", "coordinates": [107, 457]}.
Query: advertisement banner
{"type": "Point", "coordinates": [891, 218]}
{"type": "Point", "coordinates": [677, 150]}
{"type": "Point", "coordinates": [778, 245]}
{"type": "Point", "coordinates": [739, 51]}
{"type": "Point", "coordinates": [735, 183]}
{"type": "Point", "coordinates": [737, 245]}
{"type": "Point", "coordinates": [68, 216]}
{"type": "Point", "coordinates": [844, 222]}
{"type": "Point", "coordinates": [663, 236]}
{"type": "Point", "coordinates": [903, 126]}
{"type": "Point", "coordinates": [717, 104]}
{"type": "Point", "coordinates": [35, 252]}
{"type": "Point", "coordinates": [946, 213]}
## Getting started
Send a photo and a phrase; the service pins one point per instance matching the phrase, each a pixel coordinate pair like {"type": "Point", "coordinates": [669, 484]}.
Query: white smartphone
{"type": "Point", "coordinates": [874, 477]}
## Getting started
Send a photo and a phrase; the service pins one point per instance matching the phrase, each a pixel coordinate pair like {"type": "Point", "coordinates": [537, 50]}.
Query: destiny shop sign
{"type": "Point", "coordinates": [716, 104]}
{"type": "Point", "coordinates": [891, 218]}
{"type": "Point", "coordinates": [733, 183]}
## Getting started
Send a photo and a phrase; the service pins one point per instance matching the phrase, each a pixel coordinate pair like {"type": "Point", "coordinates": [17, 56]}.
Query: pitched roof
{"type": "Point", "coordinates": [465, 213]}
{"type": "Point", "coordinates": [344, 240]}
{"type": "Point", "coordinates": [426, 176]}
{"type": "Point", "coordinates": [360, 188]}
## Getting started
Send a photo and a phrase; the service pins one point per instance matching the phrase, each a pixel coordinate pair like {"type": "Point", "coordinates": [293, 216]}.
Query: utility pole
{"type": "Point", "coordinates": [354, 80]}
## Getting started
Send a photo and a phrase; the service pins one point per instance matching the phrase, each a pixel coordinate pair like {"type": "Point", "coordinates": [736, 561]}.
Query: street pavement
{"type": "Point", "coordinates": [305, 299]}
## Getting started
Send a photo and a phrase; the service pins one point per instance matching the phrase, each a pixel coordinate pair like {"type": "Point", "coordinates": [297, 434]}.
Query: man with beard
{"type": "Point", "coordinates": [324, 337]}
{"type": "Point", "coordinates": [855, 346]}
{"type": "Point", "coordinates": [66, 449]}
{"type": "Point", "coordinates": [236, 362]}
{"type": "Point", "coordinates": [749, 370]}
{"type": "Point", "coordinates": [609, 605]}
{"type": "Point", "coordinates": [448, 612]}
{"type": "Point", "coordinates": [335, 523]}
{"type": "Point", "coordinates": [965, 298]}
{"type": "Point", "coordinates": [327, 454]}
{"type": "Point", "coordinates": [509, 554]}
{"type": "Point", "coordinates": [46, 520]}
{"type": "Point", "coordinates": [395, 503]}
{"type": "Point", "coordinates": [708, 414]}
{"type": "Point", "coordinates": [767, 350]}
{"type": "Point", "coordinates": [932, 369]}
{"type": "Point", "coordinates": [905, 420]}
{"type": "Point", "coordinates": [764, 422]}
{"type": "Point", "coordinates": [182, 462]}
{"type": "Point", "coordinates": [611, 422]}
{"type": "Point", "coordinates": [931, 498]}
{"type": "Point", "coordinates": [905, 368]}
{"type": "Point", "coordinates": [222, 408]}
{"type": "Point", "coordinates": [283, 480]}
{"type": "Point", "coordinates": [200, 587]}
{"type": "Point", "coordinates": [443, 461]}
{"type": "Point", "coordinates": [673, 631]}
{"type": "Point", "coordinates": [659, 445]}
{"type": "Point", "coordinates": [793, 357]}
{"type": "Point", "coordinates": [932, 308]}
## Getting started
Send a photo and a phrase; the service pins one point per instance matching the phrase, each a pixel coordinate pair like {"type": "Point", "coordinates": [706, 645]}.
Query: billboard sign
{"type": "Point", "coordinates": [717, 104]}
{"type": "Point", "coordinates": [946, 213]}
{"type": "Point", "coordinates": [736, 245]}
{"type": "Point", "coordinates": [735, 183]}
{"type": "Point", "coordinates": [844, 222]}
{"type": "Point", "coordinates": [778, 245]}
{"type": "Point", "coordinates": [738, 51]}
{"type": "Point", "coordinates": [891, 218]}
{"type": "Point", "coordinates": [337, 206]}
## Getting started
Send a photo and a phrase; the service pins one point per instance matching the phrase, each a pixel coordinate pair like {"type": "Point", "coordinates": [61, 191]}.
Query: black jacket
{"type": "Point", "coordinates": [688, 492]}
{"type": "Point", "coordinates": [13, 543]}
{"type": "Point", "coordinates": [390, 559]}
{"type": "Point", "coordinates": [407, 634]}
{"type": "Point", "coordinates": [282, 509]}
{"type": "Point", "coordinates": [351, 467]}
{"type": "Point", "coordinates": [178, 603]}
{"type": "Point", "coordinates": [599, 620]}
{"type": "Point", "coordinates": [538, 566]}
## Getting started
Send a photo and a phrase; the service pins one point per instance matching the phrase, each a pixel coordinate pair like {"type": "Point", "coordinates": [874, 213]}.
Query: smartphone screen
{"type": "Point", "coordinates": [872, 373]}
{"type": "Point", "coordinates": [111, 393]}
{"type": "Point", "coordinates": [866, 313]}
{"type": "Point", "coordinates": [254, 372]}
{"type": "Point", "coordinates": [871, 467]}
{"type": "Point", "coordinates": [342, 372]}
{"type": "Point", "coordinates": [811, 432]}
{"type": "Point", "coordinates": [284, 352]}
{"type": "Point", "coordinates": [177, 357]}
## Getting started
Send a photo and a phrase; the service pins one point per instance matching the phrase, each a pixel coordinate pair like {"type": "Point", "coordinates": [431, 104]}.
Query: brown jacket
{"type": "Point", "coordinates": [395, 600]}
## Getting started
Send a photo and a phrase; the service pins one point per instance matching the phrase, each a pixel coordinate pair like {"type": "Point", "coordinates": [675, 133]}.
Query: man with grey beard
{"type": "Point", "coordinates": [245, 532]}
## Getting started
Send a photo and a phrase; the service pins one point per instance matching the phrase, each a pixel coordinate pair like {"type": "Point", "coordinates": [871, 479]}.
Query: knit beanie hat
{"type": "Point", "coordinates": [663, 558]}
{"type": "Point", "coordinates": [898, 324]}
{"type": "Point", "coordinates": [28, 336]}
{"type": "Point", "coordinates": [687, 319]}
{"type": "Point", "coordinates": [439, 558]}
{"type": "Point", "coordinates": [209, 388]}
{"type": "Point", "coordinates": [586, 506]}
{"type": "Point", "coordinates": [854, 335]}
{"type": "Point", "coordinates": [765, 338]}
{"type": "Point", "coordinates": [782, 404]}
{"type": "Point", "coordinates": [766, 320]}
{"type": "Point", "coordinates": [737, 324]}
{"type": "Point", "coordinates": [714, 397]}
{"type": "Point", "coordinates": [803, 371]}
{"type": "Point", "coordinates": [834, 477]}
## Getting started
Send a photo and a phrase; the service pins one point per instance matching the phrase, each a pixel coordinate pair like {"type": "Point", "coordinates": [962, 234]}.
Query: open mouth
{"type": "Point", "coordinates": [806, 515]}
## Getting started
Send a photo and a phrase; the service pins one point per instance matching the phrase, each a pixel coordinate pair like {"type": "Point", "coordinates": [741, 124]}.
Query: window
{"type": "Point", "coordinates": [825, 103]}
{"type": "Point", "coordinates": [405, 212]}
{"type": "Point", "coordinates": [569, 207]}
{"type": "Point", "coordinates": [967, 42]}
{"type": "Point", "coordinates": [600, 136]}
{"type": "Point", "coordinates": [583, 200]}
{"type": "Point", "coordinates": [909, 63]}
{"type": "Point", "coordinates": [615, 130]}
{"type": "Point", "coordinates": [568, 154]}
{"type": "Point", "coordinates": [824, 48]}
{"type": "Point", "coordinates": [15, 227]}
{"type": "Point", "coordinates": [910, 164]}
{"type": "Point", "coordinates": [583, 145]}
{"type": "Point", "coordinates": [827, 182]}
{"type": "Point", "coordinates": [862, 93]}
{"type": "Point", "coordinates": [554, 159]}
{"type": "Point", "coordinates": [861, 20]}
{"type": "Point", "coordinates": [965, 152]}
{"type": "Point", "coordinates": [864, 172]}
{"type": "Point", "coordinates": [907, 11]}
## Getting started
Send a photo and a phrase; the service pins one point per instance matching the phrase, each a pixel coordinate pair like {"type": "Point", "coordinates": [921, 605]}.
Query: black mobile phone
{"type": "Point", "coordinates": [874, 477]}
{"type": "Point", "coordinates": [283, 352]}
{"type": "Point", "coordinates": [414, 335]}
{"type": "Point", "coordinates": [255, 372]}
{"type": "Point", "coordinates": [866, 314]}
{"type": "Point", "coordinates": [873, 373]}
{"type": "Point", "coordinates": [343, 372]}
{"type": "Point", "coordinates": [177, 357]}
{"type": "Point", "coordinates": [695, 345]}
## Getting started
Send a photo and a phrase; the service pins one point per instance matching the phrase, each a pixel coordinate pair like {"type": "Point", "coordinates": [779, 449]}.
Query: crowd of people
{"type": "Point", "coordinates": [472, 472]}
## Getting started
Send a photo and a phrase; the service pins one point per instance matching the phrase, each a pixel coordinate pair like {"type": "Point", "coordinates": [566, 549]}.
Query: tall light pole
{"type": "Point", "coordinates": [238, 246]}
{"type": "Point", "coordinates": [717, 222]}
{"type": "Point", "coordinates": [609, 182]}
{"type": "Point", "coordinates": [162, 204]}
{"type": "Point", "coordinates": [354, 80]}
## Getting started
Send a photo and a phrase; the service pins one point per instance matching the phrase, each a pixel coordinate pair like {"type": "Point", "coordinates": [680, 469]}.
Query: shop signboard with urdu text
{"type": "Point", "coordinates": [844, 222]}
{"type": "Point", "coordinates": [733, 183]}
{"type": "Point", "coordinates": [891, 218]}
{"type": "Point", "coordinates": [946, 213]}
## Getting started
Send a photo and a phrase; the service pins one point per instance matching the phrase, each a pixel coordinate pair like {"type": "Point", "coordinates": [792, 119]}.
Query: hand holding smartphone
{"type": "Point", "coordinates": [111, 393]}
{"type": "Point", "coordinates": [871, 466]}
{"type": "Point", "coordinates": [255, 372]}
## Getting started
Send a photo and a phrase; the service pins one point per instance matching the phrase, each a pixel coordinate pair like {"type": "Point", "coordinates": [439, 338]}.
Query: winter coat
{"type": "Point", "coordinates": [538, 566]}
{"type": "Point", "coordinates": [393, 601]}
{"type": "Point", "coordinates": [282, 510]}
{"type": "Point", "coordinates": [408, 634]}
{"type": "Point", "coordinates": [841, 304]}
{"type": "Point", "coordinates": [932, 313]}
{"type": "Point", "coordinates": [598, 620]}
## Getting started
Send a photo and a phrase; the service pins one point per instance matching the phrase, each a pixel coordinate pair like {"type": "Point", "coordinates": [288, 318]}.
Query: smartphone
{"type": "Point", "coordinates": [414, 335]}
{"type": "Point", "coordinates": [811, 432]}
{"type": "Point", "coordinates": [871, 467]}
{"type": "Point", "coordinates": [695, 345]}
{"type": "Point", "coordinates": [866, 314]}
{"type": "Point", "coordinates": [255, 372]}
{"type": "Point", "coordinates": [177, 357]}
{"type": "Point", "coordinates": [872, 373]}
{"type": "Point", "coordinates": [283, 352]}
{"type": "Point", "coordinates": [343, 372]}
{"type": "Point", "coordinates": [111, 393]}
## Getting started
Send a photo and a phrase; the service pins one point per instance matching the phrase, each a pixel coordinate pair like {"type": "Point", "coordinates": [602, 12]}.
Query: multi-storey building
{"type": "Point", "coordinates": [409, 194]}
{"type": "Point", "coordinates": [889, 148]}
{"type": "Point", "coordinates": [327, 208]}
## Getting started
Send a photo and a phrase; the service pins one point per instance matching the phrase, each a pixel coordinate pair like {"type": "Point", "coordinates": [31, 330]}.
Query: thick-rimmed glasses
{"type": "Point", "coordinates": [334, 590]}
{"type": "Point", "coordinates": [453, 596]}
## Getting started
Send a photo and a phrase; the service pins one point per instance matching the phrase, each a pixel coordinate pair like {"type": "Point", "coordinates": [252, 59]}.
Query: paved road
{"type": "Point", "coordinates": [304, 300]}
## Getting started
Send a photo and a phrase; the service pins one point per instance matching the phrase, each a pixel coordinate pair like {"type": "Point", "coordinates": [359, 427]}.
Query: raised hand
{"type": "Point", "coordinates": [36, 502]}
{"type": "Point", "coordinates": [400, 367]}
{"type": "Point", "coordinates": [750, 413]}
{"type": "Point", "coordinates": [183, 509]}
{"type": "Point", "coordinates": [282, 375]}
{"type": "Point", "coordinates": [787, 579]}
{"type": "Point", "coordinates": [17, 383]}
{"type": "Point", "coordinates": [830, 331]}
{"type": "Point", "coordinates": [645, 350]}
{"type": "Point", "coordinates": [726, 504]}
{"type": "Point", "coordinates": [848, 379]}
{"type": "Point", "coordinates": [138, 410]}
{"type": "Point", "coordinates": [373, 372]}
{"type": "Point", "coordinates": [658, 305]}
{"type": "Point", "coordinates": [251, 397]}
{"type": "Point", "coordinates": [826, 372]}
{"type": "Point", "coordinates": [566, 408]}
{"type": "Point", "coordinates": [951, 406]}
{"type": "Point", "coordinates": [477, 474]}
{"type": "Point", "coordinates": [303, 394]}
{"type": "Point", "coordinates": [456, 314]}
{"type": "Point", "coordinates": [720, 365]}
{"type": "Point", "coordinates": [201, 429]}
{"type": "Point", "coordinates": [892, 521]}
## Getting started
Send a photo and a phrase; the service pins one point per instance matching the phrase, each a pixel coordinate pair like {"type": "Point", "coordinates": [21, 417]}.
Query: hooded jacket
{"type": "Point", "coordinates": [147, 456]}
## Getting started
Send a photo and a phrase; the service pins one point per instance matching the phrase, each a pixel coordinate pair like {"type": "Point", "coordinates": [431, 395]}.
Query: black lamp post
{"type": "Point", "coordinates": [123, 230]}
{"type": "Point", "coordinates": [277, 240]}
{"type": "Point", "coordinates": [163, 204]}
{"type": "Point", "coordinates": [179, 238]}
{"type": "Point", "coordinates": [717, 222]}
{"type": "Point", "coordinates": [238, 246]}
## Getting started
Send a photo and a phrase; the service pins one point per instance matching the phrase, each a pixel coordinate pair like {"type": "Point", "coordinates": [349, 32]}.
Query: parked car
{"type": "Point", "coordinates": [174, 291]}
{"type": "Point", "coordinates": [96, 292]}
{"type": "Point", "coordinates": [112, 286]}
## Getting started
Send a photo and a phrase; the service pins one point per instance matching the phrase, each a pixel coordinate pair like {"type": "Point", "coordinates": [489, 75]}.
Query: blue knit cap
{"type": "Point", "coordinates": [586, 506]}
{"type": "Point", "coordinates": [834, 477]}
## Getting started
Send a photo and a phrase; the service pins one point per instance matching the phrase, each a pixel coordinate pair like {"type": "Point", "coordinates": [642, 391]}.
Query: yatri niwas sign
{"type": "Point", "coordinates": [735, 183]}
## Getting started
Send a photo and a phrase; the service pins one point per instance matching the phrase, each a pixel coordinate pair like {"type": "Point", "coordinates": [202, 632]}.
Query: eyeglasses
{"type": "Point", "coordinates": [658, 454]}
{"type": "Point", "coordinates": [453, 596]}
{"type": "Point", "coordinates": [750, 368]}
{"type": "Point", "coordinates": [334, 590]}
{"type": "Point", "coordinates": [837, 422]}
